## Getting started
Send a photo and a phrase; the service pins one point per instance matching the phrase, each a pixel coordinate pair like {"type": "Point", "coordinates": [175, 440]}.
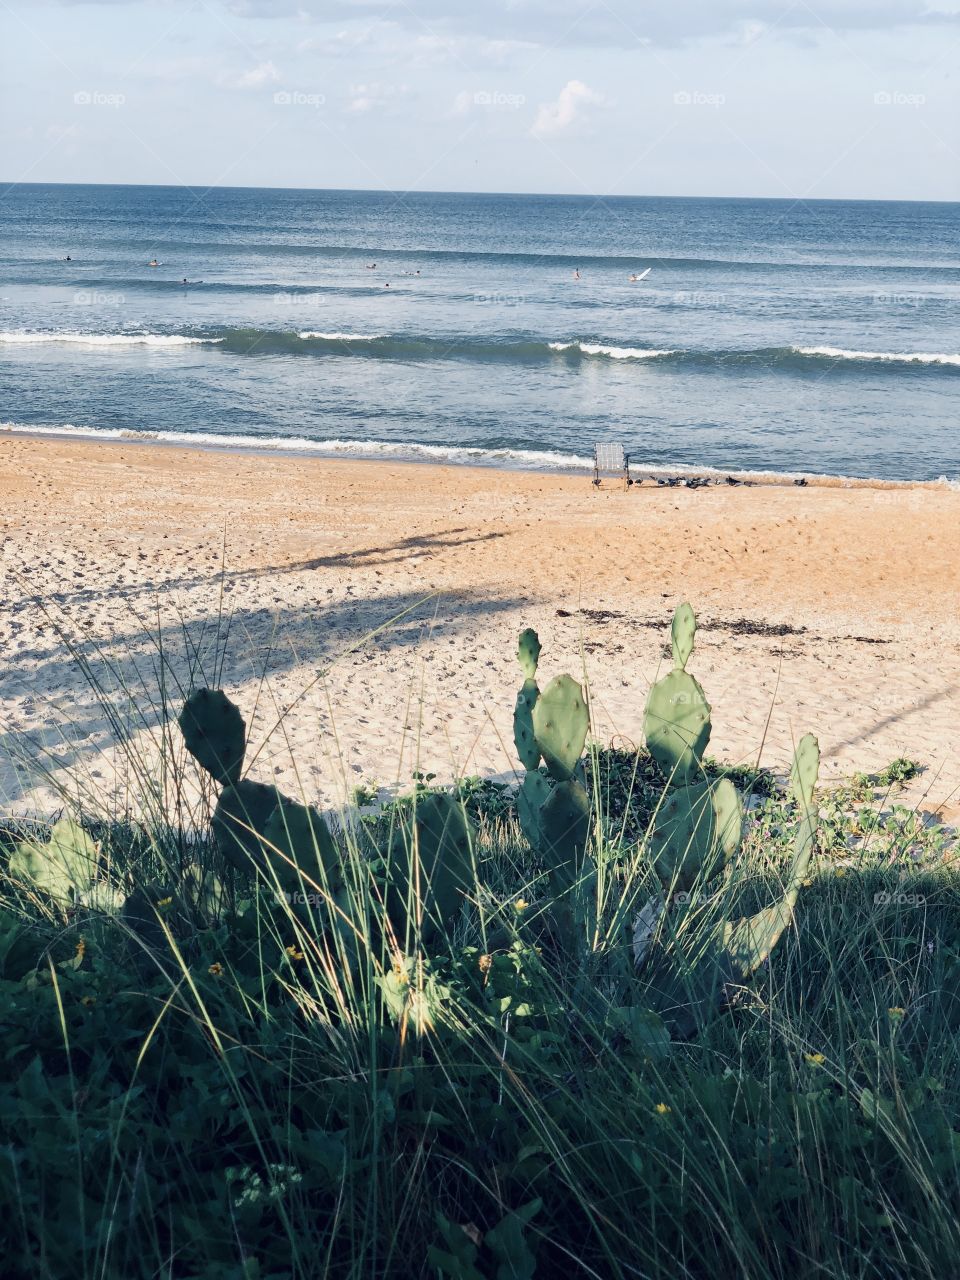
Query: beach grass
{"type": "Point", "coordinates": [224, 1081]}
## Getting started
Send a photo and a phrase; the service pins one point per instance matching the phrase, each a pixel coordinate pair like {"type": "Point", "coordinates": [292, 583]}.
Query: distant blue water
{"type": "Point", "coordinates": [768, 335]}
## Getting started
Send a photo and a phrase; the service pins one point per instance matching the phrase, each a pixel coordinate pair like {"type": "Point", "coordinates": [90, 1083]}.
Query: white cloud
{"type": "Point", "coordinates": [557, 117]}
{"type": "Point", "coordinates": [254, 78]}
{"type": "Point", "coordinates": [375, 96]}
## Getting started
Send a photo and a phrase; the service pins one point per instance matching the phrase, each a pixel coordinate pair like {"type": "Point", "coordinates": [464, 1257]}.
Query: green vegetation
{"type": "Point", "coordinates": [643, 1016]}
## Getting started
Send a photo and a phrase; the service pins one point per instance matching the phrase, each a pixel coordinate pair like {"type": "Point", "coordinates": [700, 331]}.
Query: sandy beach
{"type": "Point", "coordinates": [821, 608]}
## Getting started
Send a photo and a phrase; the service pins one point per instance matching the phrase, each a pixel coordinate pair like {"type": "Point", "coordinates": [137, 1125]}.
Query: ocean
{"type": "Point", "coordinates": [760, 335]}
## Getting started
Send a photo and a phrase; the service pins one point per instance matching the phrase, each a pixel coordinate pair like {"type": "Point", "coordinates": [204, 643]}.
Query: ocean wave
{"type": "Point", "coordinates": [307, 334]}
{"type": "Point", "coordinates": [475, 455]}
{"type": "Point", "coordinates": [614, 353]}
{"type": "Point", "coordinates": [887, 357]}
{"type": "Point", "coordinates": [512, 349]}
{"type": "Point", "coordinates": [106, 339]}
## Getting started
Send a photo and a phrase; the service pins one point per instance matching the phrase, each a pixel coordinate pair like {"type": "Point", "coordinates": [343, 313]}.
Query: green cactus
{"type": "Point", "coordinates": [806, 766]}
{"type": "Point", "coordinates": [565, 827]}
{"type": "Point", "coordinates": [240, 820]}
{"type": "Point", "coordinates": [297, 839]}
{"type": "Point", "coordinates": [430, 868]}
{"type": "Point", "coordinates": [683, 631]}
{"type": "Point", "coordinates": [560, 724]}
{"type": "Point", "coordinates": [695, 828]}
{"type": "Point", "coordinates": [748, 942]}
{"type": "Point", "coordinates": [215, 734]}
{"type": "Point", "coordinates": [677, 726]}
{"type": "Point", "coordinates": [528, 653]}
{"type": "Point", "coordinates": [523, 734]}
{"type": "Point", "coordinates": [533, 792]}
{"type": "Point", "coordinates": [677, 718]}
{"type": "Point", "coordinates": [64, 867]}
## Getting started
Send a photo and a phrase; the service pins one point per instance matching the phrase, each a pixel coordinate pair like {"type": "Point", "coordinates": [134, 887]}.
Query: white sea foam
{"type": "Point", "coordinates": [896, 357]}
{"type": "Point", "coordinates": [465, 455]}
{"type": "Point", "coordinates": [533, 459]}
{"type": "Point", "coordinates": [612, 353]}
{"type": "Point", "coordinates": [340, 337]}
{"type": "Point", "coordinates": [107, 339]}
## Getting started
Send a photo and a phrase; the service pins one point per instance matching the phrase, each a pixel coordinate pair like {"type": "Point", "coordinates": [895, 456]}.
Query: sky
{"type": "Point", "coordinates": [828, 99]}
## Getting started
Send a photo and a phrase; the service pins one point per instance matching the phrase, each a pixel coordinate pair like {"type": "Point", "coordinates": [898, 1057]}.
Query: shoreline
{"type": "Point", "coordinates": [830, 609]}
{"type": "Point", "coordinates": [414, 454]}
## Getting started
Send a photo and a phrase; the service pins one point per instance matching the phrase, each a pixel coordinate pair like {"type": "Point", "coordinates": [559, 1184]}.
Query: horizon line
{"type": "Point", "coordinates": [546, 195]}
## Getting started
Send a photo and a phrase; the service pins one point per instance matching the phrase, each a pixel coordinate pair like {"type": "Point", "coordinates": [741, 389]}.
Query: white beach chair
{"type": "Point", "coordinates": [610, 460]}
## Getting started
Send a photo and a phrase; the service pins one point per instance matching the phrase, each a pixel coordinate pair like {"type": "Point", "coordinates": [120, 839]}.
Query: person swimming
{"type": "Point", "coordinates": [154, 263]}
{"type": "Point", "coordinates": [68, 258]}
{"type": "Point", "coordinates": [371, 266]}
{"type": "Point", "coordinates": [576, 273]}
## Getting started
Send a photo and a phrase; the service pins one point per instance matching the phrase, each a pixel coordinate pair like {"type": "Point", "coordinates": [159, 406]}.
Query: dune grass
{"type": "Point", "coordinates": [217, 1081]}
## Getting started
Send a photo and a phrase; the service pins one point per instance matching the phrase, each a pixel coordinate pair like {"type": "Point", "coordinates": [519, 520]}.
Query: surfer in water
{"type": "Point", "coordinates": [68, 258]}
{"type": "Point", "coordinates": [576, 273]}
{"type": "Point", "coordinates": [153, 263]}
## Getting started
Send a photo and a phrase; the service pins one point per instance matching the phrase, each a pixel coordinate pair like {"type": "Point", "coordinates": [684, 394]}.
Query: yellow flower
{"type": "Point", "coordinates": [521, 904]}
{"type": "Point", "coordinates": [294, 954]}
{"type": "Point", "coordinates": [89, 1001]}
{"type": "Point", "coordinates": [216, 969]}
{"type": "Point", "coordinates": [841, 871]}
{"type": "Point", "coordinates": [485, 963]}
{"type": "Point", "coordinates": [896, 1012]}
{"type": "Point", "coordinates": [662, 1109]}
{"type": "Point", "coordinates": [815, 1059]}
{"type": "Point", "coordinates": [164, 902]}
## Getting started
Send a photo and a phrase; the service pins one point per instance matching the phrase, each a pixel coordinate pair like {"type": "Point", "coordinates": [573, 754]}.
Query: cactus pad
{"type": "Point", "coordinates": [532, 795]}
{"type": "Point", "coordinates": [301, 837]}
{"type": "Point", "coordinates": [683, 632]}
{"type": "Point", "coordinates": [523, 735]}
{"type": "Point", "coordinates": [560, 723]}
{"type": "Point", "coordinates": [528, 653]}
{"type": "Point", "coordinates": [677, 725]}
{"type": "Point", "coordinates": [240, 820]}
{"type": "Point", "coordinates": [64, 867]}
{"type": "Point", "coordinates": [215, 734]}
{"type": "Point", "coordinates": [695, 828]}
{"type": "Point", "coordinates": [565, 826]}
{"type": "Point", "coordinates": [806, 766]}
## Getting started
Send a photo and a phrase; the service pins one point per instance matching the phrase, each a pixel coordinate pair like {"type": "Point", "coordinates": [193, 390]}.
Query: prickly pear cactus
{"type": "Point", "coordinates": [430, 869]}
{"type": "Point", "coordinates": [695, 828]}
{"type": "Point", "coordinates": [677, 726]}
{"type": "Point", "coordinates": [565, 828]}
{"type": "Point", "coordinates": [749, 941]}
{"type": "Point", "coordinates": [560, 724]}
{"type": "Point", "coordinates": [64, 867]}
{"type": "Point", "coordinates": [240, 820]}
{"type": "Point", "coordinates": [215, 734]}
{"type": "Point", "coordinates": [534, 791]}
{"type": "Point", "coordinates": [528, 653]}
{"type": "Point", "coordinates": [297, 839]}
{"type": "Point", "coordinates": [683, 632]}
